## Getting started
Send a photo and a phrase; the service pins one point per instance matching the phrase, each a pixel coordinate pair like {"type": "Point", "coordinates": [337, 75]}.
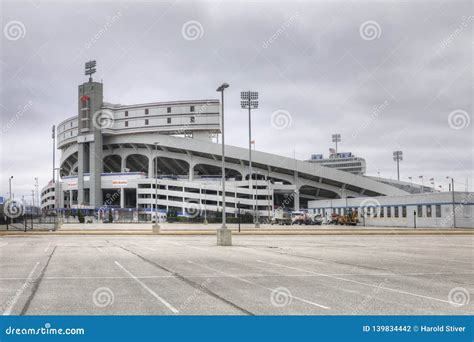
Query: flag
{"type": "Point", "coordinates": [331, 150]}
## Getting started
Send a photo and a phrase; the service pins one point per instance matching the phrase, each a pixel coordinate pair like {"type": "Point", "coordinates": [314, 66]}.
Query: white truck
{"type": "Point", "coordinates": [303, 217]}
{"type": "Point", "coordinates": [281, 217]}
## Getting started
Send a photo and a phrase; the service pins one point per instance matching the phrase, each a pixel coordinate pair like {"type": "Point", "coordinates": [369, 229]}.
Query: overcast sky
{"type": "Point", "coordinates": [386, 76]}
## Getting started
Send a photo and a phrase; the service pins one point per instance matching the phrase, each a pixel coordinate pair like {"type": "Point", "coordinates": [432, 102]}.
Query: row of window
{"type": "Point", "coordinates": [395, 210]}
{"type": "Point", "coordinates": [168, 110]}
{"type": "Point", "coordinates": [192, 119]}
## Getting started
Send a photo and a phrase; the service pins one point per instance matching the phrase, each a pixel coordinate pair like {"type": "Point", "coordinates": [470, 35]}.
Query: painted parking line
{"type": "Point", "coordinates": [258, 285]}
{"type": "Point", "coordinates": [358, 282]}
{"type": "Point", "coordinates": [47, 247]}
{"type": "Point", "coordinates": [12, 302]}
{"type": "Point", "coordinates": [168, 305]}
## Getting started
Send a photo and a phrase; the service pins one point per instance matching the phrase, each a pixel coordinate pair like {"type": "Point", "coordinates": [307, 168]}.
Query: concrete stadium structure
{"type": "Point", "coordinates": [113, 155]}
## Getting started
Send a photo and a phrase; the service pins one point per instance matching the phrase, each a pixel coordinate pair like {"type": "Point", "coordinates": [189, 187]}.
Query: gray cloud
{"type": "Point", "coordinates": [306, 58]}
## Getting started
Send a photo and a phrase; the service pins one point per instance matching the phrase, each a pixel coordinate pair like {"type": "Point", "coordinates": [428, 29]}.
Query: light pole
{"type": "Point", "coordinates": [53, 135]}
{"type": "Point", "coordinates": [156, 226]}
{"type": "Point", "coordinates": [37, 193]}
{"type": "Point", "coordinates": [224, 235]}
{"type": "Point", "coordinates": [335, 139]}
{"type": "Point", "coordinates": [398, 157]}
{"type": "Point", "coordinates": [454, 206]}
{"type": "Point", "coordinates": [205, 203]}
{"type": "Point", "coordinates": [422, 184]}
{"type": "Point", "coordinates": [249, 100]}
{"type": "Point", "coordinates": [411, 181]}
{"type": "Point", "coordinates": [10, 187]}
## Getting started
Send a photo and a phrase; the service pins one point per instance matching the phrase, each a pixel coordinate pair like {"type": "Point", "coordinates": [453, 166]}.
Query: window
{"type": "Point", "coordinates": [428, 210]}
{"type": "Point", "coordinates": [126, 123]}
{"type": "Point", "coordinates": [382, 211]}
{"type": "Point", "coordinates": [146, 121]}
{"type": "Point", "coordinates": [389, 211]}
{"type": "Point", "coordinates": [420, 210]}
{"type": "Point", "coordinates": [404, 211]}
{"type": "Point", "coordinates": [192, 119]}
{"type": "Point", "coordinates": [191, 109]}
{"type": "Point", "coordinates": [438, 210]}
{"type": "Point", "coordinates": [395, 213]}
{"type": "Point", "coordinates": [126, 113]}
{"type": "Point", "coordinates": [168, 120]}
{"type": "Point", "coordinates": [168, 110]}
{"type": "Point", "coordinates": [146, 111]}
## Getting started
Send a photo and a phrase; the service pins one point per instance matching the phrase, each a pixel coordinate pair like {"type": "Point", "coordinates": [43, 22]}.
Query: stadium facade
{"type": "Point", "coordinates": [167, 156]}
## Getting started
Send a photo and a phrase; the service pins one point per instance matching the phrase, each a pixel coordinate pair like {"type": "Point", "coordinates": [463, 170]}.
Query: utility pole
{"type": "Point", "coordinates": [156, 226]}
{"type": "Point", "coordinates": [224, 235]}
{"type": "Point", "coordinates": [453, 202]}
{"type": "Point", "coordinates": [53, 135]}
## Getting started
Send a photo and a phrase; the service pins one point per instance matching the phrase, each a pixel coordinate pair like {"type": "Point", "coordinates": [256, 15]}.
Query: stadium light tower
{"type": "Point", "coordinates": [224, 235]}
{"type": "Point", "coordinates": [398, 157]}
{"type": "Point", "coordinates": [335, 139]}
{"type": "Point", "coordinates": [90, 69]}
{"type": "Point", "coordinates": [249, 100]}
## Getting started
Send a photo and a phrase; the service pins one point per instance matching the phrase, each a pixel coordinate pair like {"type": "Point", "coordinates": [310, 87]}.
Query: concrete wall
{"type": "Point", "coordinates": [441, 205]}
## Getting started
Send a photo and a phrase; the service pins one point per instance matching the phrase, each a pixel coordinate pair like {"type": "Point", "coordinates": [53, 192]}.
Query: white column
{"type": "Point", "coordinates": [122, 197]}
{"type": "Point", "coordinates": [123, 165]}
{"type": "Point", "coordinates": [191, 172]}
{"type": "Point", "coordinates": [150, 167]}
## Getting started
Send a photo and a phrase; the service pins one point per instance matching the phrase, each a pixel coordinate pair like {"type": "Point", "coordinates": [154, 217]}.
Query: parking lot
{"type": "Point", "coordinates": [259, 275]}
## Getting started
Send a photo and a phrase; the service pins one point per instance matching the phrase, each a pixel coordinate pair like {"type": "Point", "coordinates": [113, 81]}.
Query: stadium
{"type": "Point", "coordinates": [166, 156]}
